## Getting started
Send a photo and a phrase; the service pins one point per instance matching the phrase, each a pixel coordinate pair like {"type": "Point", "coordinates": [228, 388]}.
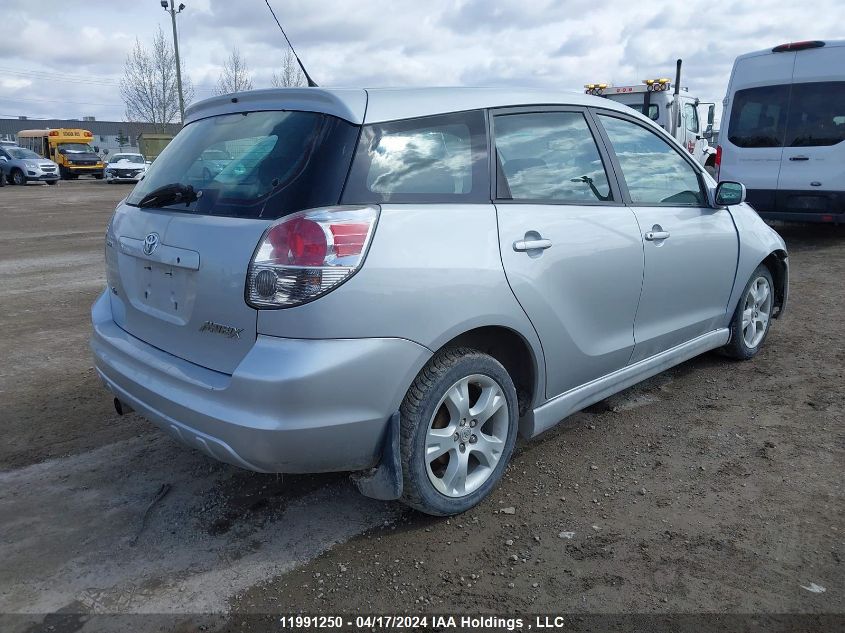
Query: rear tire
{"type": "Point", "coordinates": [753, 316]}
{"type": "Point", "coordinates": [459, 426]}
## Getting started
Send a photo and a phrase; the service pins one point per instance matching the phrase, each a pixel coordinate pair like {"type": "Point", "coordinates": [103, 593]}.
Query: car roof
{"type": "Point", "coordinates": [387, 104]}
{"type": "Point", "coordinates": [768, 51]}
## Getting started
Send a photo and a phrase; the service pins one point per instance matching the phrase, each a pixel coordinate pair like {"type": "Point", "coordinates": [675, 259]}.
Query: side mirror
{"type": "Point", "coordinates": [729, 193]}
{"type": "Point", "coordinates": [3, 158]}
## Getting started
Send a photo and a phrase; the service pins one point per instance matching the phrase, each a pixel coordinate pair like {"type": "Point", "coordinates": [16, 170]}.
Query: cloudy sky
{"type": "Point", "coordinates": [64, 58]}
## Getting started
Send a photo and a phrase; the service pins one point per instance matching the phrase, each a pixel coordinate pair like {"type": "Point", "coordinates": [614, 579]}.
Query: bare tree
{"type": "Point", "coordinates": [235, 76]}
{"type": "Point", "coordinates": [290, 74]}
{"type": "Point", "coordinates": [149, 88]}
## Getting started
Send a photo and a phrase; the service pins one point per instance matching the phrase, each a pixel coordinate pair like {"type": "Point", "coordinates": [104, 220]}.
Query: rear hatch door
{"type": "Point", "coordinates": [182, 242]}
{"type": "Point", "coordinates": [812, 175]}
{"type": "Point", "coordinates": [177, 283]}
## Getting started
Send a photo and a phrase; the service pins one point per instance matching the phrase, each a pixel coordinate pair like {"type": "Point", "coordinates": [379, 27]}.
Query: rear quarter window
{"type": "Point", "coordinates": [440, 158]}
{"type": "Point", "coordinates": [758, 116]}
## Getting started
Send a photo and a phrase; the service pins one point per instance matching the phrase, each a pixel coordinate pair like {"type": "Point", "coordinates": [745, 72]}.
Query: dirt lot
{"type": "Point", "coordinates": [717, 486]}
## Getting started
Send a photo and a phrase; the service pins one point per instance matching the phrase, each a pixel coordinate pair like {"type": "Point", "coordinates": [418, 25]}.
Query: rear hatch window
{"type": "Point", "coordinates": [789, 115]}
{"type": "Point", "coordinates": [251, 165]}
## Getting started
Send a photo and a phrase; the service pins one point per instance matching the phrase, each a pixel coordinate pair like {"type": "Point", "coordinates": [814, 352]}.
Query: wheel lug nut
{"type": "Point", "coordinates": [455, 437]}
{"type": "Point", "coordinates": [473, 423]}
{"type": "Point", "coordinates": [473, 439]}
{"type": "Point", "coordinates": [463, 422]}
{"type": "Point", "coordinates": [463, 447]}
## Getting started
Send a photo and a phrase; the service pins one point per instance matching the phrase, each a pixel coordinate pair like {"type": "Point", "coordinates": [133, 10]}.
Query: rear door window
{"type": "Point", "coordinates": [816, 114]}
{"type": "Point", "coordinates": [549, 157]}
{"type": "Point", "coordinates": [758, 117]}
{"type": "Point", "coordinates": [654, 170]}
{"type": "Point", "coordinates": [440, 158]}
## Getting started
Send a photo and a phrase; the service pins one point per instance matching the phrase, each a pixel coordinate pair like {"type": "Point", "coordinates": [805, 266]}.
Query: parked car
{"type": "Point", "coordinates": [395, 281]}
{"type": "Point", "coordinates": [208, 165]}
{"type": "Point", "coordinates": [125, 167]}
{"type": "Point", "coordinates": [785, 114]}
{"type": "Point", "coordinates": [21, 166]}
{"type": "Point", "coordinates": [8, 144]}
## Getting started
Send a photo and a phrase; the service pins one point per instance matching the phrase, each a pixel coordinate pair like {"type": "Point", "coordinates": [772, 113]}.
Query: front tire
{"type": "Point", "coordinates": [753, 316]}
{"type": "Point", "coordinates": [459, 426]}
{"type": "Point", "coordinates": [51, 182]}
{"type": "Point", "coordinates": [18, 178]}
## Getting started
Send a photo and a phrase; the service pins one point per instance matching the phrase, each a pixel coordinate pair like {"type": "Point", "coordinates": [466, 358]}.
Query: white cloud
{"type": "Point", "coordinates": [11, 83]}
{"type": "Point", "coordinates": [72, 52]}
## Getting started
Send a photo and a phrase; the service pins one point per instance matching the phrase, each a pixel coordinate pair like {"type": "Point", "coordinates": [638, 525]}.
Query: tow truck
{"type": "Point", "coordinates": [672, 108]}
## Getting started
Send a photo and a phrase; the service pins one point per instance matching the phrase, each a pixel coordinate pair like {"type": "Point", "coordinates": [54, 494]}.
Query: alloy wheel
{"type": "Point", "coordinates": [756, 312]}
{"type": "Point", "coordinates": [466, 435]}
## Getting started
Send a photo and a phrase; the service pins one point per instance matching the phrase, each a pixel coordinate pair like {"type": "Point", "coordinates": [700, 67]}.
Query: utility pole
{"type": "Point", "coordinates": [173, 10]}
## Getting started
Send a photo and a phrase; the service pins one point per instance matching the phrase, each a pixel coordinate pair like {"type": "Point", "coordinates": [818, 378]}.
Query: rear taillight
{"type": "Point", "coordinates": [307, 254]}
{"type": "Point", "coordinates": [798, 46]}
{"type": "Point", "coordinates": [718, 161]}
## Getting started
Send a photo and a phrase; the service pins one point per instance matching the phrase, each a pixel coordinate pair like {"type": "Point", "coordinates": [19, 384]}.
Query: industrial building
{"type": "Point", "coordinates": [109, 136]}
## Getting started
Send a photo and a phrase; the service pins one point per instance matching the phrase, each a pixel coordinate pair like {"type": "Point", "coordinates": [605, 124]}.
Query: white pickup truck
{"type": "Point", "coordinates": [671, 107]}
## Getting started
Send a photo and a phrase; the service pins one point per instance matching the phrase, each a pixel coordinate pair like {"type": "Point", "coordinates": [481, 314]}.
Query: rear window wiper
{"type": "Point", "coordinates": [173, 193]}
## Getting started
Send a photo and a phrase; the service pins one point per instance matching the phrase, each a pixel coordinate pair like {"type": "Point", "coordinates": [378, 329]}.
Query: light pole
{"type": "Point", "coordinates": [173, 10]}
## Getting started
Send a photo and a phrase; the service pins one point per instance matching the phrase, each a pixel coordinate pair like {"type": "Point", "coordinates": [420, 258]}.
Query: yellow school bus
{"type": "Point", "coordinates": [70, 149]}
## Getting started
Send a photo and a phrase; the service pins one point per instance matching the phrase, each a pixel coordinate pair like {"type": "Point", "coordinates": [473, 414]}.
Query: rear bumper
{"type": "Point", "coordinates": [799, 205]}
{"type": "Point", "coordinates": [823, 218]}
{"type": "Point", "coordinates": [292, 405]}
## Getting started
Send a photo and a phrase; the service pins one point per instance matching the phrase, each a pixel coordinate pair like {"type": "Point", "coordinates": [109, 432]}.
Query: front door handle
{"type": "Point", "coordinates": [654, 236]}
{"type": "Point", "coordinates": [531, 245]}
{"type": "Point", "coordinates": [799, 158]}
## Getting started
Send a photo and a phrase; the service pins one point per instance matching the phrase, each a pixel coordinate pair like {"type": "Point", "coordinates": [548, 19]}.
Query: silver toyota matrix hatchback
{"type": "Point", "coordinates": [396, 282]}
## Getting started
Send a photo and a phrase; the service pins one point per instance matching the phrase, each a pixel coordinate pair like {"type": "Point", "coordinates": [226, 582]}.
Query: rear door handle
{"type": "Point", "coordinates": [799, 158]}
{"type": "Point", "coordinates": [653, 236]}
{"type": "Point", "coordinates": [531, 245]}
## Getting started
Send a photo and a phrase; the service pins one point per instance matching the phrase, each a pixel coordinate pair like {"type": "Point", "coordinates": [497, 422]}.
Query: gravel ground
{"type": "Point", "coordinates": [714, 487]}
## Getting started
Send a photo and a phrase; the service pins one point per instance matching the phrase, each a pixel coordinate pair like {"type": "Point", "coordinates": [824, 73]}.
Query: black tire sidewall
{"type": "Point", "coordinates": [434, 502]}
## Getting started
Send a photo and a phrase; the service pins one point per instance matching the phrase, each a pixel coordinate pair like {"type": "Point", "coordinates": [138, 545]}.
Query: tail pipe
{"type": "Point", "coordinates": [121, 407]}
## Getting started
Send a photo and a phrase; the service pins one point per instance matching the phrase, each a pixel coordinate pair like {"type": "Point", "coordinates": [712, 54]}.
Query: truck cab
{"type": "Point", "coordinates": [690, 123]}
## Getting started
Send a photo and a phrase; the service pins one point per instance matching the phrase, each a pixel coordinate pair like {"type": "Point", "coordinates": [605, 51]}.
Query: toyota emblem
{"type": "Point", "coordinates": [150, 243]}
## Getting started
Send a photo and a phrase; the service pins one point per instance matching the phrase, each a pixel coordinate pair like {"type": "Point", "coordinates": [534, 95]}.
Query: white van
{"type": "Point", "coordinates": [783, 131]}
